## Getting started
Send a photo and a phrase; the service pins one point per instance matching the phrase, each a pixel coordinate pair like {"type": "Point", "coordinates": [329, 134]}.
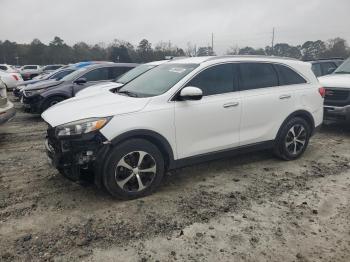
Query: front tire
{"type": "Point", "coordinates": [133, 169]}
{"type": "Point", "coordinates": [292, 139]}
{"type": "Point", "coordinates": [51, 102]}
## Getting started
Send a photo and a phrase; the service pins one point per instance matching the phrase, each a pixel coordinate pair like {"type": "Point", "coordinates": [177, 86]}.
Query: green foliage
{"type": "Point", "coordinates": [57, 51]}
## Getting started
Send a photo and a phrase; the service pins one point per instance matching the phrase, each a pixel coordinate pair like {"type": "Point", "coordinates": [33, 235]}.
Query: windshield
{"type": "Point", "coordinates": [133, 73]}
{"type": "Point", "coordinates": [59, 74]}
{"type": "Point", "coordinates": [344, 68]}
{"type": "Point", "coordinates": [157, 81]}
{"type": "Point", "coordinates": [74, 75]}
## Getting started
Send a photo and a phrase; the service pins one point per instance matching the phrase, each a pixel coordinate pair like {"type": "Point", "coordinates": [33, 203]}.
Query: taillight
{"type": "Point", "coordinates": [15, 77]}
{"type": "Point", "coordinates": [322, 91]}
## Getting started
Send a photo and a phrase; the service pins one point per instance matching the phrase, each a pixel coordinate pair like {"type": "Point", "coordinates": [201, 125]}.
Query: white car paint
{"type": "Point", "coordinates": [103, 87]}
{"type": "Point", "coordinates": [335, 80]}
{"type": "Point", "coordinates": [197, 127]}
{"type": "Point", "coordinates": [11, 79]}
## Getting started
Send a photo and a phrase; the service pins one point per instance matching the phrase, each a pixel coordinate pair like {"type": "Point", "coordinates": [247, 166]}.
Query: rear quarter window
{"type": "Point", "coordinates": [288, 76]}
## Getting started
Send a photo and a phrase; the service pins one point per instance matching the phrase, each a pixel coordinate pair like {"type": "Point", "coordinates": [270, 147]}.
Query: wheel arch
{"type": "Point", "coordinates": [155, 138]}
{"type": "Point", "coordinates": [307, 116]}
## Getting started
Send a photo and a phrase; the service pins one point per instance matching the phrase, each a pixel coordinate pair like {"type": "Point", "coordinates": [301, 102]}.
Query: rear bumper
{"type": "Point", "coordinates": [7, 115]}
{"type": "Point", "coordinates": [341, 113]}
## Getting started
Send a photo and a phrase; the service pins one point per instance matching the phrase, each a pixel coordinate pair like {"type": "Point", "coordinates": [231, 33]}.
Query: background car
{"type": "Point", "coordinates": [11, 79]}
{"type": "Point", "coordinates": [327, 66]}
{"type": "Point", "coordinates": [30, 71]}
{"type": "Point", "coordinates": [8, 68]}
{"type": "Point", "coordinates": [337, 97]}
{"type": "Point", "coordinates": [38, 97]}
{"type": "Point", "coordinates": [7, 110]}
{"type": "Point", "coordinates": [51, 68]}
{"type": "Point", "coordinates": [56, 75]}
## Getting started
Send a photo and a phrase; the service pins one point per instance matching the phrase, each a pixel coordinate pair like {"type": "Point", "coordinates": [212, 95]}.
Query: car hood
{"type": "Point", "coordinates": [335, 80]}
{"type": "Point", "coordinates": [43, 84]}
{"type": "Point", "coordinates": [102, 105]}
{"type": "Point", "coordinates": [97, 89]}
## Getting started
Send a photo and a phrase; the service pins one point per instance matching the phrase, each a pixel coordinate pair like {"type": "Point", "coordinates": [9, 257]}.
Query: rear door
{"type": "Point", "coordinates": [267, 100]}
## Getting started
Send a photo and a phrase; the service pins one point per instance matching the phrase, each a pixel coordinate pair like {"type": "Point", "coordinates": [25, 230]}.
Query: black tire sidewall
{"type": "Point", "coordinates": [119, 151]}
{"type": "Point", "coordinates": [280, 149]}
{"type": "Point", "coordinates": [48, 102]}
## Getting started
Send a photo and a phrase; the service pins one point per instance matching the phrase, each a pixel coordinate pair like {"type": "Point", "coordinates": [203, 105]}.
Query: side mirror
{"type": "Point", "coordinates": [80, 81]}
{"type": "Point", "coordinates": [331, 70]}
{"type": "Point", "coordinates": [191, 93]}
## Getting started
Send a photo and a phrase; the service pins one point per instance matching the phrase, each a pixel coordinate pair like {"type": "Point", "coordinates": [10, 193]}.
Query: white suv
{"type": "Point", "coordinates": [183, 112]}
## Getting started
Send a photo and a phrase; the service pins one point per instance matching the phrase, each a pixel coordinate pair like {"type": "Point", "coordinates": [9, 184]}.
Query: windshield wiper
{"type": "Point", "coordinates": [128, 93]}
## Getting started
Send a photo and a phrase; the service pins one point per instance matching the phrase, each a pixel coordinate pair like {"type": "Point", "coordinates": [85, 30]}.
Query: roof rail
{"type": "Point", "coordinates": [322, 59]}
{"type": "Point", "coordinates": [250, 56]}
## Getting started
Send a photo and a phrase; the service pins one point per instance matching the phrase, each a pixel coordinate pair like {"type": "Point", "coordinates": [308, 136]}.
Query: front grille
{"type": "Point", "coordinates": [334, 94]}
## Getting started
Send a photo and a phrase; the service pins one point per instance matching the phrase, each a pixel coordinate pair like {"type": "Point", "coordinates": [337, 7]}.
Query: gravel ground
{"type": "Point", "coordinates": [245, 208]}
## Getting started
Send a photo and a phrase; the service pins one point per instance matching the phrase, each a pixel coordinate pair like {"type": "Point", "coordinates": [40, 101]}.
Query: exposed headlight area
{"type": "Point", "coordinates": [78, 128]}
{"type": "Point", "coordinates": [34, 92]}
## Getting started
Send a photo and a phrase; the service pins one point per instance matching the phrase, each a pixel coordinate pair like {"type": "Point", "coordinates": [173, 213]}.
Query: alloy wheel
{"type": "Point", "coordinates": [135, 171]}
{"type": "Point", "coordinates": [296, 139]}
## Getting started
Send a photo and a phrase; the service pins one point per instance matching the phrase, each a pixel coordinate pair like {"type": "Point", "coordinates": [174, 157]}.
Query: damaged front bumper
{"type": "Point", "coordinates": [76, 157]}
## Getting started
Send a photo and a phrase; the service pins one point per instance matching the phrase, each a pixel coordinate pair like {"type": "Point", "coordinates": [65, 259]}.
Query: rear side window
{"type": "Point", "coordinates": [3, 68]}
{"type": "Point", "coordinates": [218, 79]}
{"type": "Point", "coordinates": [257, 75]}
{"type": "Point", "coordinates": [115, 72]}
{"type": "Point", "coordinates": [97, 74]}
{"type": "Point", "coordinates": [316, 68]}
{"type": "Point", "coordinates": [328, 68]}
{"type": "Point", "coordinates": [288, 77]}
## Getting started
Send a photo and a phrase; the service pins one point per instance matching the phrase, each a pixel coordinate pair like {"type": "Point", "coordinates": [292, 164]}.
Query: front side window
{"type": "Point", "coordinates": [115, 72]}
{"type": "Point", "coordinates": [287, 76]}
{"type": "Point", "coordinates": [98, 74]}
{"type": "Point", "coordinates": [158, 80]}
{"type": "Point", "coordinates": [4, 68]}
{"type": "Point", "coordinates": [218, 79]}
{"type": "Point", "coordinates": [257, 75]}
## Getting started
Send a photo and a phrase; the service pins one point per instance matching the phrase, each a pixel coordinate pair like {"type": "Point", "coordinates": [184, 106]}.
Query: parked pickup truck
{"type": "Point", "coordinates": [337, 97]}
{"type": "Point", "coordinates": [7, 110]}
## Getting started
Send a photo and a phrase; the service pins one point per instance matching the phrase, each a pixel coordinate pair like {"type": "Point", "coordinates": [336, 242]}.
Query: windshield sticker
{"type": "Point", "coordinates": [177, 70]}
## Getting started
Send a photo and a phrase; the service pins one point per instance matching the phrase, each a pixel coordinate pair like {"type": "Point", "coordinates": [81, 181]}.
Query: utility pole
{"type": "Point", "coordinates": [212, 42]}
{"type": "Point", "coordinates": [273, 41]}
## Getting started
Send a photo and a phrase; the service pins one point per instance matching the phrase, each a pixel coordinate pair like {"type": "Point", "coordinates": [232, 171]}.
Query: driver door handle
{"type": "Point", "coordinates": [232, 104]}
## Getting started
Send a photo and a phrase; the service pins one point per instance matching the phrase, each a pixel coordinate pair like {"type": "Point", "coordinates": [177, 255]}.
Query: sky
{"type": "Point", "coordinates": [233, 22]}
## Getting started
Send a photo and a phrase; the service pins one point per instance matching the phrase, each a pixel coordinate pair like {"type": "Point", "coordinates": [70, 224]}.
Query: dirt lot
{"type": "Point", "coordinates": [247, 208]}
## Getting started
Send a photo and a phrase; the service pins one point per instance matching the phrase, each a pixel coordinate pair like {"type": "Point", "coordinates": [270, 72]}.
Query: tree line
{"type": "Point", "coordinates": [58, 52]}
{"type": "Point", "coordinates": [310, 50]}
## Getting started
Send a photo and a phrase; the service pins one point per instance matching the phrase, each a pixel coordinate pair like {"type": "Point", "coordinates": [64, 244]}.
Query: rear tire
{"type": "Point", "coordinates": [133, 169]}
{"type": "Point", "coordinates": [293, 139]}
